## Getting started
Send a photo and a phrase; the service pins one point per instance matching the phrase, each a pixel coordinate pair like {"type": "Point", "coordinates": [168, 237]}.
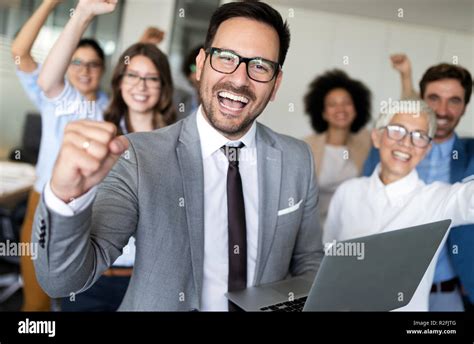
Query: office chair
{"type": "Point", "coordinates": [31, 138]}
{"type": "Point", "coordinates": [10, 222]}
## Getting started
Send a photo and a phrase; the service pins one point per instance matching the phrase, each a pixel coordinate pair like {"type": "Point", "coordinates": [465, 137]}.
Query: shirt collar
{"type": "Point", "coordinates": [442, 150]}
{"type": "Point", "coordinates": [102, 98]}
{"type": "Point", "coordinates": [397, 189]}
{"type": "Point", "coordinates": [212, 140]}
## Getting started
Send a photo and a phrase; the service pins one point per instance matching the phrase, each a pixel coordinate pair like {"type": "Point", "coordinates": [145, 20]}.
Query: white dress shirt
{"type": "Point", "coordinates": [215, 165]}
{"type": "Point", "coordinates": [365, 206]}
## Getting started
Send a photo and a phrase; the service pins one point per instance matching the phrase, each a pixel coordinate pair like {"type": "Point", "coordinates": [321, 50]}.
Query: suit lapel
{"type": "Point", "coordinates": [269, 180]}
{"type": "Point", "coordinates": [190, 162]}
{"type": "Point", "coordinates": [458, 165]}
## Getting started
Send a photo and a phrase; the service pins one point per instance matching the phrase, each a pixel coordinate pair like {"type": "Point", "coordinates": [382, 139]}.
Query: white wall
{"type": "Point", "coordinates": [140, 14]}
{"type": "Point", "coordinates": [320, 40]}
{"type": "Point", "coordinates": [14, 104]}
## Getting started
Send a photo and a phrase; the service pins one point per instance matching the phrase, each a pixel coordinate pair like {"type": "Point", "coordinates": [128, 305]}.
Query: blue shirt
{"type": "Point", "coordinates": [436, 166]}
{"type": "Point", "coordinates": [69, 106]}
{"type": "Point", "coordinates": [56, 112]}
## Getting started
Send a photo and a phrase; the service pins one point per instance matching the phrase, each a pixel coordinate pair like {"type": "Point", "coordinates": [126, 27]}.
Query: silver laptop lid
{"type": "Point", "coordinates": [379, 272]}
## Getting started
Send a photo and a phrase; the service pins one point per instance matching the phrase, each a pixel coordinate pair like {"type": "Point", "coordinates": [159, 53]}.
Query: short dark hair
{"type": "Point", "coordinates": [92, 43]}
{"type": "Point", "coordinates": [190, 60]}
{"type": "Point", "coordinates": [448, 71]}
{"type": "Point", "coordinates": [258, 11]}
{"type": "Point", "coordinates": [325, 83]}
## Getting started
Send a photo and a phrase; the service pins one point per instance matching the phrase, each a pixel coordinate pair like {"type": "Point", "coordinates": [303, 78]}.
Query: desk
{"type": "Point", "coordinates": [16, 180]}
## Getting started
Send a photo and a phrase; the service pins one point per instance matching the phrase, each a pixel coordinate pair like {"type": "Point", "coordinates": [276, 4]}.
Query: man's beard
{"type": "Point", "coordinates": [237, 129]}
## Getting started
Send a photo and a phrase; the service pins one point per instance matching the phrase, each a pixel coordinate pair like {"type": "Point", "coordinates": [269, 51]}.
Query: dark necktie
{"type": "Point", "coordinates": [237, 279]}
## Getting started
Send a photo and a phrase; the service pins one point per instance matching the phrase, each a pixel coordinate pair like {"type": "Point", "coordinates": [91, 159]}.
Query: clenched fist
{"type": "Point", "coordinates": [402, 63]}
{"type": "Point", "coordinates": [152, 35]}
{"type": "Point", "coordinates": [96, 7]}
{"type": "Point", "coordinates": [88, 153]}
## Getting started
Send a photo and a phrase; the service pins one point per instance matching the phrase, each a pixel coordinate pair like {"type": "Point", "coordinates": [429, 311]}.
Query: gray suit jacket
{"type": "Point", "coordinates": [156, 193]}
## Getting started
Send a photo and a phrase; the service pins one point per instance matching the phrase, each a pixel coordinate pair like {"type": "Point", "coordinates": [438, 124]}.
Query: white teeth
{"type": "Point", "coordinates": [341, 116]}
{"type": "Point", "coordinates": [441, 121]}
{"type": "Point", "coordinates": [401, 155]}
{"type": "Point", "coordinates": [233, 97]}
{"type": "Point", "coordinates": [139, 98]}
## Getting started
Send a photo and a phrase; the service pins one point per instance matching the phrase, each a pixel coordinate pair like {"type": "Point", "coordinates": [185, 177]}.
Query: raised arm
{"type": "Point", "coordinates": [76, 248]}
{"type": "Point", "coordinates": [402, 64]}
{"type": "Point", "coordinates": [457, 203]}
{"type": "Point", "coordinates": [21, 46]}
{"type": "Point", "coordinates": [51, 78]}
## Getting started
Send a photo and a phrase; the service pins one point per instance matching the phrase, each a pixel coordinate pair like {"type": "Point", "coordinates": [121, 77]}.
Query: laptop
{"type": "Point", "coordinates": [362, 274]}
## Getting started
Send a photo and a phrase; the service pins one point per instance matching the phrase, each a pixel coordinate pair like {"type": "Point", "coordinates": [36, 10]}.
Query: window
{"type": "Point", "coordinates": [14, 13]}
{"type": "Point", "coordinates": [189, 30]}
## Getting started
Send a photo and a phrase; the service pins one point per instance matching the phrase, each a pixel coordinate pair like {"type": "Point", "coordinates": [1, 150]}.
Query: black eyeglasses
{"type": "Point", "coordinates": [227, 62]}
{"type": "Point", "coordinates": [94, 65]}
{"type": "Point", "coordinates": [398, 132]}
{"type": "Point", "coordinates": [134, 79]}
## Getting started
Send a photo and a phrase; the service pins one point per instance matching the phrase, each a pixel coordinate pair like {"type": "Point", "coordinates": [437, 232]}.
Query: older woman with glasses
{"type": "Point", "coordinates": [394, 197]}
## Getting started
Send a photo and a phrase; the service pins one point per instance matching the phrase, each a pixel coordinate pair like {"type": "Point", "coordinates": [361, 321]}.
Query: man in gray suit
{"type": "Point", "coordinates": [216, 202]}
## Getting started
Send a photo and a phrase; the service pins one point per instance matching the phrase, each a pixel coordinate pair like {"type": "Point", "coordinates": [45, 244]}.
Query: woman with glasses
{"type": "Point", "coordinates": [394, 197]}
{"type": "Point", "coordinates": [76, 93]}
{"type": "Point", "coordinates": [339, 108]}
{"type": "Point", "coordinates": [142, 92]}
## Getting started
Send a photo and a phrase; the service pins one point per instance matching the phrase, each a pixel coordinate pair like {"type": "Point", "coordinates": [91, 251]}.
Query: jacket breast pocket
{"type": "Point", "coordinates": [290, 214]}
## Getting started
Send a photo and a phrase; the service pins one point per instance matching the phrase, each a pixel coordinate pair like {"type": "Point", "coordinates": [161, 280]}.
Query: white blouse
{"type": "Point", "coordinates": [336, 168]}
{"type": "Point", "coordinates": [365, 206]}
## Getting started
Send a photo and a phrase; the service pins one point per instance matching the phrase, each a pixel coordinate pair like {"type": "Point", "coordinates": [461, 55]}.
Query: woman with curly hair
{"type": "Point", "coordinates": [339, 108]}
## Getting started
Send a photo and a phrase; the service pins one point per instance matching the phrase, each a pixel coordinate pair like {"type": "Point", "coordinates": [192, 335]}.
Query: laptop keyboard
{"type": "Point", "coordinates": [289, 306]}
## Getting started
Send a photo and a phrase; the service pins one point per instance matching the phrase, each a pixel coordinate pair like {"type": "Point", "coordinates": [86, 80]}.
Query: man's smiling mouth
{"type": "Point", "coordinates": [232, 101]}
